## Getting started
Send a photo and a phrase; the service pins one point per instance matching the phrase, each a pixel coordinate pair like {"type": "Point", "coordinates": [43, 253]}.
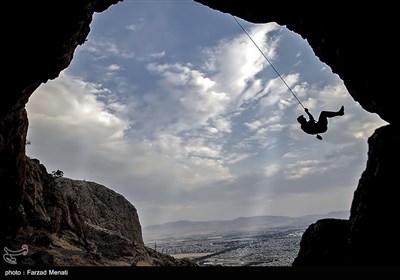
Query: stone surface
{"type": "Point", "coordinates": [324, 243]}
{"type": "Point", "coordinates": [42, 37]}
{"type": "Point", "coordinates": [13, 129]}
{"type": "Point", "coordinates": [373, 237]}
{"type": "Point", "coordinates": [98, 208]}
{"type": "Point", "coordinates": [370, 236]}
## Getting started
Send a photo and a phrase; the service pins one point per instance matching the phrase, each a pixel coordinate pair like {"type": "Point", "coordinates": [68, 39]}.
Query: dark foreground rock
{"type": "Point", "coordinates": [324, 243]}
{"type": "Point", "coordinates": [369, 237]}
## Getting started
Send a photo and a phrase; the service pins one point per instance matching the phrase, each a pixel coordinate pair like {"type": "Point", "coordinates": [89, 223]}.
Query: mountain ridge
{"type": "Point", "coordinates": [240, 224]}
{"type": "Point", "coordinates": [251, 217]}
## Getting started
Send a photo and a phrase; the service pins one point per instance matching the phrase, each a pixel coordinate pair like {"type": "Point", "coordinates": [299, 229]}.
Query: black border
{"type": "Point", "coordinates": [95, 272]}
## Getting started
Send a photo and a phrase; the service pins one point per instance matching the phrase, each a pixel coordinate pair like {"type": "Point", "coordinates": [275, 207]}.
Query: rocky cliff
{"type": "Point", "coordinates": [356, 42]}
{"type": "Point", "coordinates": [42, 38]}
{"type": "Point", "coordinates": [70, 222]}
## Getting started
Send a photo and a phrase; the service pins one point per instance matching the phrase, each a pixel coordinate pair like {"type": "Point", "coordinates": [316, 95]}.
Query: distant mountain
{"type": "Point", "coordinates": [242, 224]}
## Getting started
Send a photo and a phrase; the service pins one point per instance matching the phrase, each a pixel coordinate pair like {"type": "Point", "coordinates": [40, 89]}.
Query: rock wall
{"type": "Point", "coordinates": [373, 238]}
{"type": "Point", "coordinates": [13, 130]}
{"type": "Point", "coordinates": [324, 243]}
{"type": "Point", "coordinates": [99, 208]}
{"type": "Point", "coordinates": [41, 39]}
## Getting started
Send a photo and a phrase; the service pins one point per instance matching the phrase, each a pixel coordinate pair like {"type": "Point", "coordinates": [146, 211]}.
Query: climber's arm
{"type": "Point", "coordinates": [309, 115]}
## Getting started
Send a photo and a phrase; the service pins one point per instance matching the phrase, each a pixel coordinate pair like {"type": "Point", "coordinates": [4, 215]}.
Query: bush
{"type": "Point", "coordinates": [57, 174]}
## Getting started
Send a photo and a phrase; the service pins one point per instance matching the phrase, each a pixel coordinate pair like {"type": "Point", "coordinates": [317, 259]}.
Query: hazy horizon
{"type": "Point", "coordinates": [200, 221]}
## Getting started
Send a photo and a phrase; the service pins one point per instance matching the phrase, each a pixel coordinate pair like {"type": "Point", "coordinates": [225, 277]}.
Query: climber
{"type": "Point", "coordinates": [316, 127]}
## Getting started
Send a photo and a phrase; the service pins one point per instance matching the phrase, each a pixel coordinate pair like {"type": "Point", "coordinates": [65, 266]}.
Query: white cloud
{"type": "Point", "coordinates": [271, 122]}
{"type": "Point", "coordinates": [113, 67]}
{"type": "Point", "coordinates": [271, 169]}
{"type": "Point", "coordinates": [236, 62]}
{"type": "Point", "coordinates": [234, 157]}
{"type": "Point", "coordinates": [276, 92]}
{"type": "Point", "coordinates": [223, 124]}
{"type": "Point", "coordinates": [158, 55]}
{"type": "Point", "coordinates": [103, 49]}
{"type": "Point", "coordinates": [79, 135]}
{"type": "Point", "coordinates": [212, 130]}
{"type": "Point", "coordinates": [132, 27]}
{"type": "Point", "coordinates": [81, 108]}
{"type": "Point", "coordinates": [191, 96]}
{"type": "Point", "coordinates": [118, 107]}
{"type": "Point", "coordinates": [303, 168]}
{"type": "Point", "coordinates": [254, 125]}
{"type": "Point", "coordinates": [197, 148]}
{"type": "Point", "coordinates": [293, 155]}
{"type": "Point", "coordinates": [68, 123]}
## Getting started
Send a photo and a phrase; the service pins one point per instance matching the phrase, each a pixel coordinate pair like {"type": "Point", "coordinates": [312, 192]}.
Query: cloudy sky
{"type": "Point", "coordinates": [170, 104]}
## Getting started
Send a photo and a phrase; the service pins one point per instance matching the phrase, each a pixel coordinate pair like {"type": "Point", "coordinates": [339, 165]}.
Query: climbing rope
{"type": "Point", "coordinates": [276, 71]}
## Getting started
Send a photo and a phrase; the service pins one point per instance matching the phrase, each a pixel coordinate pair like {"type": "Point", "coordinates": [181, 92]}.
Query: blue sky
{"type": "Point", "coordinates": [171, 105]}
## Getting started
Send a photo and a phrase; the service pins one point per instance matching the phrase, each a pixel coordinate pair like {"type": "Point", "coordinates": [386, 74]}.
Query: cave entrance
{"type": "Point", "coordinates": [163, 106]}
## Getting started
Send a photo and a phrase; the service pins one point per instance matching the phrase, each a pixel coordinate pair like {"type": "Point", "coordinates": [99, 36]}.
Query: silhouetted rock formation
{"type": "Point", "coordinates": [354, 42]}
{"type": "Point", "coordinates": [340, 36]}
{"type": "Point", "coordinates": [42, 38]}
{"type": "Point", "coordinates": [369, 237]}
{"type": "Point", "coordinates": [324, 243]}
{"type": "Point", "coordinates": [373, 238]}
{"type": "Point", "coordinates": [71, 222]}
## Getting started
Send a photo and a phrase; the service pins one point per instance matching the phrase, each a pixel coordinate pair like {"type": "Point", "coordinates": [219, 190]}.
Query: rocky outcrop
{"type": "Point", "coordinates": [324, 243]}
{"type": "Point", "coordinates": [93, 206]}
{"type": "Point", "coordinates": [345, 38]}
{"type": "Point", "coordinates": [13, 129]}
{"type": "Point", "coordinates": [369, 237]}
{"type": "Point", "coordinates": [42, 38]}
{"type": "Point", "coordinates": [71, 222]}
{"type": "Point", "coordinates": [373, 238]}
